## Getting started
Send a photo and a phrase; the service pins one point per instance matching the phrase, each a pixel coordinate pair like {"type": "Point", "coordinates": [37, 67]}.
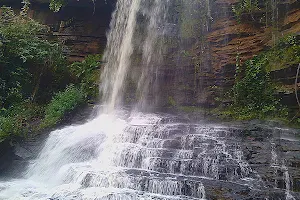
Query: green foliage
{"type": "Point", "coordinates": [288, 40]}
{"type": "Point", "coordinates": [61, 104]}
{"type": "Point", "coordinates": [245, 7]}
{"type": "Point", "coordinates": [254, 88]}
{"type": "Point", "coordinates": [285, 53]}
{"type": "Point", "coordinates": [21, 37]}
{"type": "Point", "coordinates": [193, 109]}
{"type": "Point", "coordinates": [27, 57]}
{"type": "Point", "coordinates": [24, 56]}
{"type": "Point", "coordinates": [254, 92]}
{"type": "Point", "coordinates": [56, 5]}
{"type": "Point", "coordinates": [17, 121]}
{"type": "Point", "coordinates": [88, 74]}
{"type": "Point", "coordinates": [9, 128]}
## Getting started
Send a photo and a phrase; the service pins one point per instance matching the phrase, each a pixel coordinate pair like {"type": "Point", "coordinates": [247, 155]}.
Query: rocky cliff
{"type": "Point", "coordinates": [229, 38]}
{"type": "Point", "coordinates": [81, 25]}
{"type": "Point", "coordinates": [204, 69]}
{"type": "Point", "coordinates": [200, 60]}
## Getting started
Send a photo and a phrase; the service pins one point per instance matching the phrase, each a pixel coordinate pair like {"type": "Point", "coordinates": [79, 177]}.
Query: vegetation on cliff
{"type": "Point", "coordinates": [62, 103]}
{"type": "Point", "coordinates": [87, 75]}
{"type": "Point", "coordinates": [34, 78]}
{"type": "Point", "coordinates": [57, 5]}
{"type": "Point", "coordinates": [245, 7]}
{"type": "Point", "coordinates": [254, 93]}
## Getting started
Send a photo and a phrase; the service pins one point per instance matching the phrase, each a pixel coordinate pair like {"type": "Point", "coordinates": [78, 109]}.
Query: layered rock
{"type": "Point", "coordinates": [212, 69]}
{"type": "Point", "coordinates": [230, 39]}
{"type": "Point", "coordinates": [81, 25]}
{"type": "Point", "coordinates": [197, 68]}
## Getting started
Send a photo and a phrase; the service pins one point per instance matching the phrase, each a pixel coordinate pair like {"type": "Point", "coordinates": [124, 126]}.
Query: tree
{"type": "Point", "coordinates": [25, 54]}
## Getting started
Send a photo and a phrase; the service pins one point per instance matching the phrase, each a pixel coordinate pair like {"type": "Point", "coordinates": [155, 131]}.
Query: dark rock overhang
{"type": "Point", "coordinates": [71, 3]}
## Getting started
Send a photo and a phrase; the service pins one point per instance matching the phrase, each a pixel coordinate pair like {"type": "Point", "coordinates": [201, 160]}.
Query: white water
{"type": "Point", "coordinates": [118, 52]}
{"type": "Point", "coordinates": [131, 156]}
{"type": "Point", "coordinates": [152, 53]}
{"type": "Point", "coordinates": [90, 161]}
{"type": "Point", "coordinates": [129, 40]}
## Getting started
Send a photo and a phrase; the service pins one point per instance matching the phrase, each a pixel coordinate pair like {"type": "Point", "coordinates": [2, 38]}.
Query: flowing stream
{"type": "Point", "coordinates": [124, 154]}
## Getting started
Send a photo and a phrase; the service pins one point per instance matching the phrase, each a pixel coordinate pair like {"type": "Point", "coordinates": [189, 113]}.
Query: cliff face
{"type": "Point", "coordinates": [199, 65]}
{"type": "Point", "coordinates": [207, 70]}
{"type": "Point", "coordinates": [81, 25]}
{"type": "Point", "coordinates": [229, 38]}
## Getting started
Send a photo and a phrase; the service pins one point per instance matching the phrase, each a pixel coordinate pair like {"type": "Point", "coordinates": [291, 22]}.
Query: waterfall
{"type": "Point", "coordinates": [138, 46]}
{"type": "Point", "coordinates": [119, 51]}
{"type": "Point", "coordinates": [152, 49]}
{"type": "Point", "coordinates": [122, 48]}
{"type": "Point", "coordinates": [128, 154]}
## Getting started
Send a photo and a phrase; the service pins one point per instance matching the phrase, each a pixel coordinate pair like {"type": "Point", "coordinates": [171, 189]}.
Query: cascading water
{"type": "Point", "coordinates": [284, 169]}
{"type": "Point", "coordinates": [152, 49]}
{"type": "Point", "coordinates": [123, 48]}
{"type": "Point", "coordinates": [129, 155]}
{"type": "Point", "coordinates": [144, 156]}
{"type": "Point", "coordinates": [119, 51]}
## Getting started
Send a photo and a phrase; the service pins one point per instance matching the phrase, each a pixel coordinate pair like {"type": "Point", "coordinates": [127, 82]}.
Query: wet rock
{"type": "Point", "coordinates": [274, 157]}
{"type": "Point", "coordinates": [6, 156]}
{"type": "Point", "coordinates": [22, 152]}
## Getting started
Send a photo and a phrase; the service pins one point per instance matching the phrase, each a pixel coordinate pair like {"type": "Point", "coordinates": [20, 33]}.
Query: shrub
{"type": "Point", "coordinates": [25, 56]}
{"type": "Point", "coordinates": [87, 72]}
{"type": "Point", "coordinates": [9, 128]}
{"type": "Point", "coordinates": [254, 88]}
{"type": "Point", "coordinates": [56, 5]}
{"type": "Point", "coordinates": [19, 120]}
{"type": "Point", "coordinates": [61, 104]}
{"type": "Point", "coordinates": [254, 92]}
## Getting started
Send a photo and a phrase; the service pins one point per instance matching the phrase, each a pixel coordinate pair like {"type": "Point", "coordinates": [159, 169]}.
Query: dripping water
{"type": "Point", "coordinates": [275, 164]}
